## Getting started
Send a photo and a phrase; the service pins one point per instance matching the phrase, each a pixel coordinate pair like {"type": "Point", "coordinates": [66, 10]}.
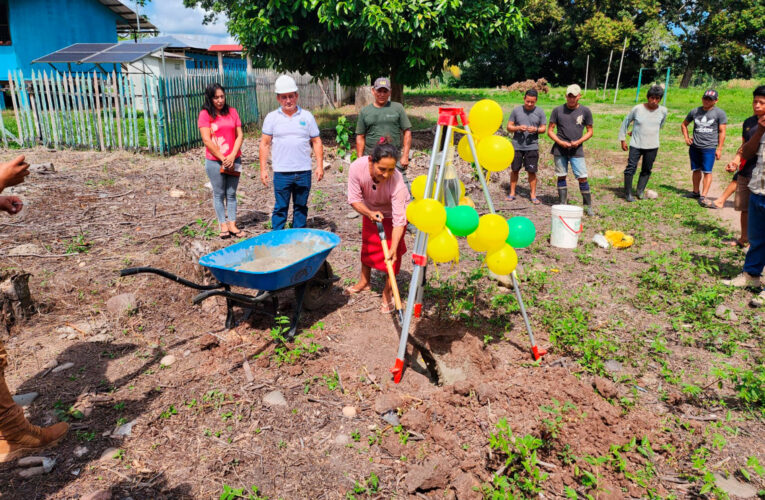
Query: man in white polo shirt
{"type": "Point", "coordinates": [293, 132]}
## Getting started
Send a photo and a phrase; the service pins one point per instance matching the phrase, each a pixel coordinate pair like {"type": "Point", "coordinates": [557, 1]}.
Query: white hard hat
{"type": "Point", "coordinates": [284, 85]}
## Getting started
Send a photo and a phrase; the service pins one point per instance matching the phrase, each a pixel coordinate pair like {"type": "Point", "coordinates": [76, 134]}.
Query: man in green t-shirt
{"type": "Point", "coordinates": [384, 118]}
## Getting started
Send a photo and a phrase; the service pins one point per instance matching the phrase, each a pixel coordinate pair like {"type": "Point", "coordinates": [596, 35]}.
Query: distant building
{"type": "Point", "coordinates": [30, 29]}
{"type": "Point", "coordinates": [199, 56]}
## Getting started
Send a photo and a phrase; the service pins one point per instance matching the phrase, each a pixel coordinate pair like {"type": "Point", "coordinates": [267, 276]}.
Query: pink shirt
{"type": "Point", "coordinates": [390, 197]}
{"type": "Point", "coordinates": [222, 131]}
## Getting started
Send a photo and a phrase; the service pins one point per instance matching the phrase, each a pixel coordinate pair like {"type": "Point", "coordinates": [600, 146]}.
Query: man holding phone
{"type": "Point", "coordinates": [17, 436]}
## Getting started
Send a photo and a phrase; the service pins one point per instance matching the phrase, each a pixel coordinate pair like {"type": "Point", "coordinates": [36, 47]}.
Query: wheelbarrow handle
{"type": "Point", "coordinates": [137, 270]}
{"type": "Point", "coordinates": [389, 266]}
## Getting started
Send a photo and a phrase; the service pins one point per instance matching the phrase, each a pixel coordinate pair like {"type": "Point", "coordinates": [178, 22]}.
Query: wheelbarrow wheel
{"type": "Point", "coordinates": [318, 286]}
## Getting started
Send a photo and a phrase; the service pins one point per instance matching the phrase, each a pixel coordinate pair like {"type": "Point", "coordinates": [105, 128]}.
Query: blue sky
{"type": "Point", "coordinates": [172, 18]}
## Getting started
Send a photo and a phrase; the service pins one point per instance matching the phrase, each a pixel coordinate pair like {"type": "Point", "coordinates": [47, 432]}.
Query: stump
{"type": "Point", "coordinates": [15, 299]}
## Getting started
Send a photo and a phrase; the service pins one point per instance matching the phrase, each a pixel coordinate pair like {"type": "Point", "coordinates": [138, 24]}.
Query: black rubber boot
{"type": "Point", "coordinates": [642, 183]}
{"type": "Point", "coordinates": [628, 187]}
{"type": "Point", "coordinates": [587, 198]}
{"type": "Point", "coordinates": [563, 195]}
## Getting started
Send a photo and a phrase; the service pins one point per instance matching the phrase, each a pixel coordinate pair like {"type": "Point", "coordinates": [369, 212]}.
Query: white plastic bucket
{"type": "Point", "coordinates": [566, 226]}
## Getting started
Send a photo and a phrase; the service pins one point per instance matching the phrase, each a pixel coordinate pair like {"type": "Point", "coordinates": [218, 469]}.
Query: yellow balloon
{"type": "Point", "coordinates": [485, 117]}
{"type": "Point", "coordinates": [462, 190]}
{"type": "Point", "coordinates": [492, 231]}
{"type": "Point", "coordinates": [463, 148]}
{"type": "Point", "coordinates": [418, 187]}
{"type": "Point", "coordinates": [443, 247]}
{"type": "Point", "coordinates": [502, 261]}
{"type": "Point", "coordinates": [475, 243]}
{"type": "Point", "coordinates": [429, 216]}
{"type": "Point", "coordinates": [466, 200]}
{"type": "Point", "coordinates": [495, 153]}
{"type": "Point", "coordinates": [412, 212]}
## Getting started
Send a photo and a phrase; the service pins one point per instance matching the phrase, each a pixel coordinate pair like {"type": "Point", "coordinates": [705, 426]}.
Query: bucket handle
{"type": "Point", "coordinates": [581, 226]}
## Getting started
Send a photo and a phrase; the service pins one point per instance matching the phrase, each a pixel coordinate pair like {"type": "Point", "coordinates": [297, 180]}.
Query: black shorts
{"type": "Point", "coordinates": [526, 159]}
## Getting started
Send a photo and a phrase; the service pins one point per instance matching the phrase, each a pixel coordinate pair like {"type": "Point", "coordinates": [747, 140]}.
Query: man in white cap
{"type": "Point", "coordinates": [571, 120]}
{"type": "Point", "coordinates": [384, 119]}
{"type": "Point", "coordinates": [293, 132]}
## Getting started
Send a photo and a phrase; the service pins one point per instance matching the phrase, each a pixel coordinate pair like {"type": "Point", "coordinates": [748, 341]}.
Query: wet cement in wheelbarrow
{"type": "Point", "coordinates": [270, 258]}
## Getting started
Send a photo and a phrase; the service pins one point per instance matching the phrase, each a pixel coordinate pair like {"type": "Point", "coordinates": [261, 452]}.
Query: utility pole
{"type": "Point", "coordinates": [619, 75]}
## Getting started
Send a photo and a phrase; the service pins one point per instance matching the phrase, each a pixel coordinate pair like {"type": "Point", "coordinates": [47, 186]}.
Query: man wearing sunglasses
{"type": "Point", "coordinates": [384, 118]}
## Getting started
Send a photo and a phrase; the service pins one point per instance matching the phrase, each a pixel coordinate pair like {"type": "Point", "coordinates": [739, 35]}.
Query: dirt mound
{"type": "Point", "coordinates": [539, 85]}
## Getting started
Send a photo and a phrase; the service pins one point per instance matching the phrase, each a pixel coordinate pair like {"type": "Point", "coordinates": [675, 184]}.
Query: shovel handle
{"type": "Point", "coordinates": [389, 266]}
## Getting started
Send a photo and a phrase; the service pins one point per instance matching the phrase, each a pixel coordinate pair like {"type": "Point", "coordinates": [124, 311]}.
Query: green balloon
{"type": "Point", "coordinates": [522, 232]}
{"type": "Point", "coordinates": [461, 220]}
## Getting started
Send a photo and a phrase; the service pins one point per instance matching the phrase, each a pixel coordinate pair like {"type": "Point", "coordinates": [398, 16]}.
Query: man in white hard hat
{"type": "Point", "coordinates": [293, 132]}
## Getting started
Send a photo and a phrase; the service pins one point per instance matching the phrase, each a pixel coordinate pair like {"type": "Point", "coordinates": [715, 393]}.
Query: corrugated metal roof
{"type": "Point", "coordinates": [172, 42]}
{"type": "Point", "coordinates": [129, 23]}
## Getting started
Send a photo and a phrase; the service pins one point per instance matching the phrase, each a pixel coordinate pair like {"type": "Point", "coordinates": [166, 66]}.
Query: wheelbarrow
{"type": "Point", "coordinates": [310, 277]}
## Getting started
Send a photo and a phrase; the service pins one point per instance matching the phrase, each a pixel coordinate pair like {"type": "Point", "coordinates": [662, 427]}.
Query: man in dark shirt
{"type": "Point", "coordinates": [526, 123]}
{"type": "Point", "coordinates": [571, 119]}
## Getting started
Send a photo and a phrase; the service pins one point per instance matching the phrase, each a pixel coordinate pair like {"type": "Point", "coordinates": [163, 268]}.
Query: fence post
{"type": "Point", "coordinates": [20, 138]}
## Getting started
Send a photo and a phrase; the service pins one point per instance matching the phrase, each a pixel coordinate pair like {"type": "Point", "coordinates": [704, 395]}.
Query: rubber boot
{"type": "Point", "coordinates": [642, 183]}
{"type": "Point", "coordinates": [17, 436]}
{"type": "Point", "coordinates": [628, 187]}
{"type": "Point", "coordinates": [587, 199]}
{"type": "Point", "coordinates": [563, 195]}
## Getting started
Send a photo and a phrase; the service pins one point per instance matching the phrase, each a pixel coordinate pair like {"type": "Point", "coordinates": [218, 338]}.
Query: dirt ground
{"type": "Point", "coordinates": [201, 424]}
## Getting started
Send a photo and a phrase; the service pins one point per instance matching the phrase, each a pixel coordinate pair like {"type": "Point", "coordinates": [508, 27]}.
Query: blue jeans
{"type": "Point", "coordinates": [224, 190]}
{"type": "Point", "coordinates": [755, 257]}
{"type": "Point", "coordinates": [295, 185]}
{"type": "Point", "coordinates": [578, 166]}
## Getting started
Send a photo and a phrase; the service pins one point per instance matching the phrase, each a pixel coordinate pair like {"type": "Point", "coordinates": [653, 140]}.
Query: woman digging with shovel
{"type": "Point", "coordinates": [377, 191]}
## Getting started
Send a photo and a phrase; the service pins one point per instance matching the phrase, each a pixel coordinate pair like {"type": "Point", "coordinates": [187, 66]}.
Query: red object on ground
{"type": "Point", "coordinates": [538, 353]}
{"type": "Point", "coordinates": [226, 48]}
{"type": "Point", "coordinates": [398, 370]}
{"type": "Point", "coordinates": [371, 247]}
{"type": "Point", "coordinates": [448, 117]}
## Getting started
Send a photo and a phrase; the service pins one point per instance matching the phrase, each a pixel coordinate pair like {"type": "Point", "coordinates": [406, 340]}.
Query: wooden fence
{"type": "Point", "coordinates": [117, 111]}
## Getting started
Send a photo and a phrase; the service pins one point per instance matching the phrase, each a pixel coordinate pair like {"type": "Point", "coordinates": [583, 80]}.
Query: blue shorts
{"type": "Point", "coordinates": [578, 166]}
{"type": "Point", "coordinates": [702, 159]}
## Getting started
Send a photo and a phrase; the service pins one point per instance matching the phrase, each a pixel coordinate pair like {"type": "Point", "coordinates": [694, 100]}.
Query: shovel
{"type": "Point", "coordinates": [391, 274]}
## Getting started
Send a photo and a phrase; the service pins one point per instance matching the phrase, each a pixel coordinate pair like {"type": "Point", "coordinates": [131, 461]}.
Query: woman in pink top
{"type": "Point", "coordinates": [377, 191]}
{"type": "Point", "coordinates": [221, 131]}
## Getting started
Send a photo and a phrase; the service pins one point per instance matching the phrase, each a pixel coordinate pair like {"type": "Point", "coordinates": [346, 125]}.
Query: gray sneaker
{"type": "Point", "coordinates": [744, 280]}
{"type": "Point", "coordinates": [758, 300]}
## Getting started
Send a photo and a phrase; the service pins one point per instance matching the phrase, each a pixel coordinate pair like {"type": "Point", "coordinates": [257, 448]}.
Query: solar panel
{"type": "Point", "coordinates": [97, 53]}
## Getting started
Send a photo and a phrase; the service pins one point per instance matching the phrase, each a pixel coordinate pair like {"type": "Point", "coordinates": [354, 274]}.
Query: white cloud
{"type": "Point", "coordinates": [172, 18]}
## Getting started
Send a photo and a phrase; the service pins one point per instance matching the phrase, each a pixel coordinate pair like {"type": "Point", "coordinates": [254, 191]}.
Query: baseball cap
{"type": "Point", "coordinates": [711, 94]}
{"type": "Point", "coordinates": [573, 89]}
{"type": "Point", "coordinates": [382, 83]}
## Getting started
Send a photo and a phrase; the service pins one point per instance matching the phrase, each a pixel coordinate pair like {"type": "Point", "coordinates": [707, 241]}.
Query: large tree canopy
{"type": "Point", "coordinates": [360, 39]}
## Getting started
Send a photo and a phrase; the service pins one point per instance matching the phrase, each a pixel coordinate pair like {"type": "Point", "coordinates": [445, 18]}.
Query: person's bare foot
{"type": "Point", "coordinates": [235, 231]}
{"type": "Point", "coordinates": [357, 288]}
{"type": "Point", "coordinates": [719, 203]}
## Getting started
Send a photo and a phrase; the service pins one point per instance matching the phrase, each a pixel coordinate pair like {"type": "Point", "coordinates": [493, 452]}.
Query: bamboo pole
{"type": "Point", "coordinates": [146, 124]}
{"type": "Point", "coordinates": [89, 106]}
{"type": "Point", "coordinates": [117, 110]}
{"type": "Point", "coordinates": [20, 135]}
{"type": "Point", "coordinates": [63, 115]}
{"type": "Point", "coordinates": [51, 102]}
{"type": "Point", "coordinates": [608, 70]}
{"type": "Point", "coordinates": [28, 113]}
{"type": "Point", "coordinates": [619, 75]}
{"type": "Point", "coordinates": [134, 113]}
{"type": "Point", "coordinates": [97, 92]}
{"type": "Point", "coordinates": [39, 126]}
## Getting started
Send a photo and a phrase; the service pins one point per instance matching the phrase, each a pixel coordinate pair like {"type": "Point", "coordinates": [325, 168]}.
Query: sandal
{"type": "Point", "coordinates": [707, 203]}
{"type": "Point", "coordinates": [535, 201]}
{"type": "Point", "coordinates": [351, 290]}
{"type": "Point", "coordinates": [238, 234]}
{"type": "Point", "coordinates": [388, 307]}
{"type": "Point", "coordinates": [224, 235]}
{"type": "Point", "coordinates": [510, 198]}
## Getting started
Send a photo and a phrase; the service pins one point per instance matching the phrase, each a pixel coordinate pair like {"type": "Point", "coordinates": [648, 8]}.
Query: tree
{"type": "Point", "coordinates": [357, 40]}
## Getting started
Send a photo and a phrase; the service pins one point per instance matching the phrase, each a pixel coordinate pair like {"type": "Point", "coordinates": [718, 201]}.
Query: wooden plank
{"type": "Point", "coordinates": [27, 108]}
{"type": "Point", "coordinates": [106, 104]}
{"type": "Point", "coordinates": [71, 108]}
{"type": "Point", "coordinates": [97, 92]}
{"type": "Point", "coordinates": [121, 105]}
{"type": "Point", "coordinates": [161, 117]}
{"type": "Point", "coordinates": [146, 112]}
{"type": "Point", "coordinates": [43, 100]}
{"type": "Point", "coordinates": [63, 115]}
{"type": "Point", "coordinates": [39, 126]}
{"type": "Point", "coordinates": [90, 107]}
{"type": "Point", "coordinates": [51, 103]}
{"type": "Point", "coordinates": [20, 131]}
{"type": "Point", "coordinates": [133, 113]}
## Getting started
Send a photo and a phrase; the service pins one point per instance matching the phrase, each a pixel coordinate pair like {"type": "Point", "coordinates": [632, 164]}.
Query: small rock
{"type": "Point", "coordinates": [42, 168]}
{"type": "Point", "coordinates": [352, 215]}
{"type": "Point", "coordinates": [80, 451]}
{"type": "Point", "coordinates": [342, 439]}
{"type": "Point", "coordinates": [349, 411]}
{"type": "Point", "coordinates": [177, 193]}
{"type": "Point", "coordinates": [61, 368]}
{"type": "Point", "coordinates": [468, 487]}
{"type": "Point", "coordinates": [391, 418]}
{"type": "Point", "coordinates": [32, 471]}
{"type": "Point", "coordinates": [208, 186]}
{"type": "Point", "coordinates": [503, 280]}
{"type": "Point", "coordinates": [208, 341]}
{"type": "Point", "coordinates": [462, 387]}
{"type": "Point", "coordinates": [725, 312]}
{"type": "Point", "coordinates": [72, 336]}
{"type": "Point", "coordinates": [101, 337]}
{"type": "Point", "coordinates": [81, 264]}
{"type": "Point", "coordinates": [167, 360]}
{"type": "Point", "coordinates": [186, 353]}
{"type": "Point", "coordinates": [122, 304]}
{"type": "Point", "coordinates": [387, 402]}
{"type": "Point", "coordinates": [415, 420]}
{"type": "Point", "coordinates": [98, 495]}
{"type": "Point", "coordinates": [50, 364]}
{"type": "Point", "coordinates": [734, 487]}
{"type": "Point", "coordinates": [485, 391]}
{"type": "Point", "coordinates": [108, 454]}
{"type": "Point", "coordinates": [29, 461]}
{"type": "Point", "coordinates": [431, 475]}
{"type": "Point", "coordinates": [63, 336]}
{"type": "Point", "coordinates": [124, 430]}
{"type": "Point", "coordinates": [274, 398]}
{"type": "Point", "coordinates": [651, 194]}
{"type": "Point", "coordinates": [25, 400]}
{"type": "Point", "coordinates": [613, 366]}
{"type": "Point", "coordinates": [605, 387]}
{"type": "Point", "coordinates": [601, 241]}
{"type": "Point", "coordinates": [26, 248]}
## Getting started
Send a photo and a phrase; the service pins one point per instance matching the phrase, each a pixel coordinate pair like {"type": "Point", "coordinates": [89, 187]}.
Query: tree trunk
{"type": "Point", "coordinates": [687, 77]}
{"type": "Point", "coordinates": [397, 91]}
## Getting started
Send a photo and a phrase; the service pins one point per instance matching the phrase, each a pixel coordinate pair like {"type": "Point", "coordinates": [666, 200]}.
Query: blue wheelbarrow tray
{"type": "Point", "coordinates": [224, 263]}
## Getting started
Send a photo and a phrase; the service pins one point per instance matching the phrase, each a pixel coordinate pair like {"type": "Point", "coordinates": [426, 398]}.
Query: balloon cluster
{"type": "Point", "coordinates": [495, 153]}
{"type": "Point", "coordinates": [490, 233]}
